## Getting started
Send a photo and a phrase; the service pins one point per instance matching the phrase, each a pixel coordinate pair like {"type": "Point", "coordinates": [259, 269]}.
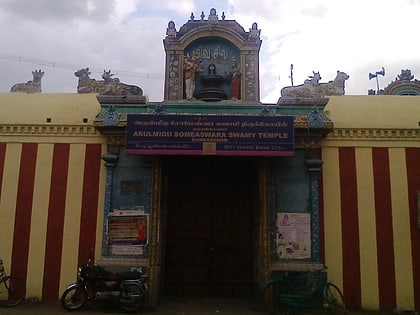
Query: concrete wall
{"type": "Point", "coordinates": [52, 182]}
{"type": "Point", "coordinates": [51, 188]}
{"type": "Point", "coordinates": [371, 178]}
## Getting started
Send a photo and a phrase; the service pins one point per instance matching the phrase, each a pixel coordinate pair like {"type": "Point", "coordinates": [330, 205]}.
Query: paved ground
{"type": "Point", "coordinates": [169, 307]}
{"type": "Point", "coordinates": [172, 307]}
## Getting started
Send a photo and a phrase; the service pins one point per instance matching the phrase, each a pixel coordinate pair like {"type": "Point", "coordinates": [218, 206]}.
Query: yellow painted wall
{"type": "Point", "coordinates": [364, 123]}
{"type": "Point", "coordinates": [23, 121]}
{"type": "Point", "coordinates": [360, 122]}
{"type": "Point", "coordinates": [34, 109]}
{"type": "Point", "coordinates": [378, 111]}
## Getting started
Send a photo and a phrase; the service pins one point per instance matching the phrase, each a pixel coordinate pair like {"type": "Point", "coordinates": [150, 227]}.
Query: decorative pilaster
{"type": "Point", "coordinates": [110, 163]}
{"type": "Point", "coordinates": [154, 246]}
{"type": "Point", "coordinates": [263, 242]}
{"type": "Point", "coordinates": [314, 168]}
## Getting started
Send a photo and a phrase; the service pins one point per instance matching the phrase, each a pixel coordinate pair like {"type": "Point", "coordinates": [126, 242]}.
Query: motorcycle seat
{"type": "Point", "coordinates": [127, 275]}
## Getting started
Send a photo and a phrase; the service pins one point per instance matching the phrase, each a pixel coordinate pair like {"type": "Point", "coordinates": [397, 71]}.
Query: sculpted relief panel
{"type": "Point", "coordinates": [212, 60]}
{"type": "Point", "coordinates": [211, 70]}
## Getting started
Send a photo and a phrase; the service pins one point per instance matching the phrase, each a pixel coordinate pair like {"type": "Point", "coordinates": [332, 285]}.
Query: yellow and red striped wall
{"type": "Point", "coordinates": [52, 183]}
{"type": "Point", "coordinates": [51, 198]}
{"type": "Point", "coordinates": [370, 184]}
{"type": "Point", "coordinates": [371, 238]}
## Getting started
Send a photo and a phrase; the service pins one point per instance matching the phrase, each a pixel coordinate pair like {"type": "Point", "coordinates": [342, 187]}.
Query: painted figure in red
{"type": "Point", "coordinates": [235, 84]}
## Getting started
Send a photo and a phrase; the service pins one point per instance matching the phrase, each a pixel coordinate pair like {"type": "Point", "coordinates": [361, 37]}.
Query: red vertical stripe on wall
{"type": "Point", "coordinates": [413, 178]}
{"type": "Point", "coordinates": [89, 201]}
{"type": "Point", "coordinates": [350, 227]}
{"type": "Point", "coordinates": [24, 198]}
{"type": "Point", "coordinates": [384, 230]}
{"type": "Point", "coordinates": [55, 224]}
{"type": "Point", "coordinates": [2, 158]}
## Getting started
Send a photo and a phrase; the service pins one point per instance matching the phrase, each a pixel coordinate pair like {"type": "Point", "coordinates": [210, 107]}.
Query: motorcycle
{"type": "Point", "coordinates": [127, 288]}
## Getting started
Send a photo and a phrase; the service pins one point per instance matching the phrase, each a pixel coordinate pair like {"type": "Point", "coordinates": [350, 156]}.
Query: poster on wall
{"type": "Point", "coordinates": [127, 232]}
{"type": "Point", "coordinates": [293, 235]}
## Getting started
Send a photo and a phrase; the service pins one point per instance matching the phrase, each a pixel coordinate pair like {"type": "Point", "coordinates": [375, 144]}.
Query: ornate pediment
{"type": "Point", "coordinates": [212, 59]}
{"type": "Point", "coordinates": [213, 23]}
{"type": "Point", "coordinates": [404, 84]}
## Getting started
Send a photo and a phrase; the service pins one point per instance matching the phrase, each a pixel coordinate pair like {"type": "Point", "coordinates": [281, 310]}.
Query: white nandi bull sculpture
{"type": "Point", "coordinates": [312, 89]}
{"type": "Point", "coordinates": [109, 86]}
{"type": "Point", "coordinates": [33, 86]}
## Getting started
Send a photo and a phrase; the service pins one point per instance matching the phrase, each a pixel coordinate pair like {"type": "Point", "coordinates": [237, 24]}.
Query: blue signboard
{"type": "Point", "coordinates": [210, 135]}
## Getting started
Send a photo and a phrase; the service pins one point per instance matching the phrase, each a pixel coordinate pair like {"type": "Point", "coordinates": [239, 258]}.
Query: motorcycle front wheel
{"type": "Point", "coordinates": [132, 297]}
{"type": "Point", "coordinates": [74, 297]}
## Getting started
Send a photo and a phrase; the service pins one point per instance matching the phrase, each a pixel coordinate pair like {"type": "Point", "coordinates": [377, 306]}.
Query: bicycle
{"type": "Point", "coordinates": [12, 290]}
{"type": "Point", "coordinates": [303, 290]}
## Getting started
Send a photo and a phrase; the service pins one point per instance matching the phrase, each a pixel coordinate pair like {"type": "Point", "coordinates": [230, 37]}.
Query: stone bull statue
{"type": "Point", "coordinates": [33, 86]}
{"type": "Point", "coordinates": [109, 86]}
{"type": "Point", "coordinates": [335, 87]}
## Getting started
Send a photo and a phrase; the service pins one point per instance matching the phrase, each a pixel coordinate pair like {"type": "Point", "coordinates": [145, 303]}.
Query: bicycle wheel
{"type": "Point", "coordinates": [271, 293]}
{"type": "Point", "coordinates": [12, 291]}
{"type": "Point", "coordinates": [334, 300]}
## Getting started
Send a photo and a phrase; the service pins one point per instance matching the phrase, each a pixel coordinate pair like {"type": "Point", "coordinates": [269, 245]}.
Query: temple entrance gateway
{"type": "Point", "coordinates": [211, 174]}
{"type": "Point", "coordinates": [210, 233]}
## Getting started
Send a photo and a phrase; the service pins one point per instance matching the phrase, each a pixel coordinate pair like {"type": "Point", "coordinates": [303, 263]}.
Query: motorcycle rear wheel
{"type": "Point", "coordinates": [74, 298]}
{"type": "Point", "coordinates": [132, 297]}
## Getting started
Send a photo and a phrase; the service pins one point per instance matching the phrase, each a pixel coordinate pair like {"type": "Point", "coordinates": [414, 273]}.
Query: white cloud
{"type": "Point", "coordinates": [123, 9]}
{"type": "Point", "coordinates": [179, 7]}
{"type": "Point", "coordinates": [352, 36]}
{"type": "Point", "coordinates": [126, 36]}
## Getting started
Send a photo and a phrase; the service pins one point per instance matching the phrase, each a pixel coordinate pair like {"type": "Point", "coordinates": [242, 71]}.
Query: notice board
{"type": "Point", "coordinates": [293, 235]}
{"type": "Point", "coordinates": [127, 232]}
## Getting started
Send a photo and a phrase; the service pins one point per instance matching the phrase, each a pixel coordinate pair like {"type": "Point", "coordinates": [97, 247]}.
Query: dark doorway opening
{"type": "Point", "coordinates": [210, 228]}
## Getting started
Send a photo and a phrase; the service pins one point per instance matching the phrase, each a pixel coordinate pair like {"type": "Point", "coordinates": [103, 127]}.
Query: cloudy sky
{"type": "Point", "coordinates": [125, 36]}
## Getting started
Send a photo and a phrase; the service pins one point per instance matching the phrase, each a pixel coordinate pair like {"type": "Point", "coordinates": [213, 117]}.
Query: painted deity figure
{"type": "Point", "coordinates": [191, 68]}
{"type": "Point", "coordinates": [213, 15]}
{"type": "Point", "coordinates": [171, 30]}
{"type": "Point", "coordinates": [254, 32]}
{"type": "Point", "coordinates": [141, 230]}
{"type": "Point", "coordinates": [235, 83]}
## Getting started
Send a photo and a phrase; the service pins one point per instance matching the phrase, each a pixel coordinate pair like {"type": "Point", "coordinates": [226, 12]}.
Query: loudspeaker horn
{"type": "Point", "coordinates": [371, 76]}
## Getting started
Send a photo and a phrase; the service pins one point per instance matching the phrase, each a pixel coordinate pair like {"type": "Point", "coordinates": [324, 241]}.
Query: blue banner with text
{"type": "Point", "coordinates": [188, 134]}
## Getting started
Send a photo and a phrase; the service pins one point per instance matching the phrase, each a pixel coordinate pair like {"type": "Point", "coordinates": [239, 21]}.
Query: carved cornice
{"type": "Point", "coordinates": [373, 134]}
{"type": "Point", "coordinates": [49, 130]}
